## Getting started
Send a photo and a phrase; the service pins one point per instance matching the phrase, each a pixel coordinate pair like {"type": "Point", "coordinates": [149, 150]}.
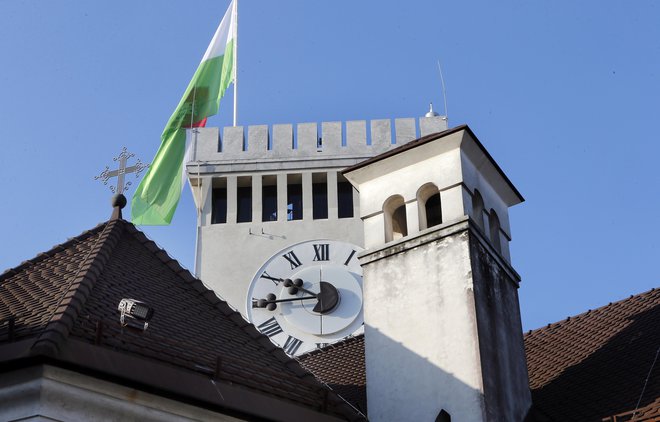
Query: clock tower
{"type": "Point", "coordinates": [443, 335]}
{"type": "Point", "coordinates": [279, 227]}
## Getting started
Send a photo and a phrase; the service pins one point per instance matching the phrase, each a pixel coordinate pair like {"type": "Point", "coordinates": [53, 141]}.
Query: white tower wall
{"type": "Point", "coordinates": [442, 321]}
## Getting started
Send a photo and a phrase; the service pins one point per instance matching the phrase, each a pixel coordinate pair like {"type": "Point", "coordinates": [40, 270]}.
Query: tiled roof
{"type": "Point", "coordinates": [594, 365]}
{"type": "Point", "coordinates": [591, 367]}
{"type": "Point", "coordinates": [33, 291]}
{"type": "Point", "coordinates": [71, 293]}
{"type": "Point", "coordinates": [331, 364]}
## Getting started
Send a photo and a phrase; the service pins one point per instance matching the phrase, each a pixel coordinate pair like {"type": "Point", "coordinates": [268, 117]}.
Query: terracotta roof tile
{"type": "Point", "coordinates": [594, 365]}
{"type": "Point", "coordinates": [341, 366]}
{"type": "Point", "coordinates": [32, 292]}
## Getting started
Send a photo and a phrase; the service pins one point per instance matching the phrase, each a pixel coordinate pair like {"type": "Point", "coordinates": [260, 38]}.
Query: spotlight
{"type": "Point", "coordinates": [135, 314]}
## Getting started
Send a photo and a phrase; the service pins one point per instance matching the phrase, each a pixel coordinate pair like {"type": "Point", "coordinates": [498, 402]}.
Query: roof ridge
{"type": "Point", "coordinates": [80, 285]}
{"type": "Point", "coordinates": [408, 145]}
{"type": "Point", "coordinates": [589, 311]}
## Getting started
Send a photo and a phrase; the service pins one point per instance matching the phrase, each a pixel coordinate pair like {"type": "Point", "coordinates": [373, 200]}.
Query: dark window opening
{"type": "Point", "coordinates": [320, 200]}
{"type": "Point", "coordinates": [345, 200]}
{"type": "Point", "coordinates": [433, 210]}
{"type": "Point", "coordinates": [443, 416]}
{"type": "Point", "coordinates": [269, 203]}
{"type": "Point", "coordinates": [244, 204]}
{"type": "Point", "coordinates": [494, 223]}
{"type": "Point", "coordinates": [396, 224]}
{"type": "Point", "coordinates": [399, 223]}
{"type": "Point", "coordinates": [478, 209]}
{"type": "Point", "coordinates": [294, 200]}
{"type": "Point", "coordinates": [219, 206]}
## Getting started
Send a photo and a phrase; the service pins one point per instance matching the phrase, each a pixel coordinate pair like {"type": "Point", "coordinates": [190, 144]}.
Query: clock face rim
{"type": "Point", "coordinates": [285, 326]}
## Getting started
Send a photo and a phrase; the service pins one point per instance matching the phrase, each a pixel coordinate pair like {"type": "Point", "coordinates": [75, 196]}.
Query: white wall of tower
{"type": "Point", "coordinates": [442, 323]}
{"type": "Point", "coordinates": [449, 166]}
{"type": "Point", "coordinates": [422, 350]}
{"type": "Point", "coordinates": [230, 254]}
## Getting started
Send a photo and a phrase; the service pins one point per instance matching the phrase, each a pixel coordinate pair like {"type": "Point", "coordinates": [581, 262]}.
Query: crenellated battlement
{"type": "Point", "coordinates": [356, 138]}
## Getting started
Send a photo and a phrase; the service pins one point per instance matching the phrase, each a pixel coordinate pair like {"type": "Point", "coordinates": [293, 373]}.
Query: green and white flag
{"type": "Point", "coordinates": [157, 196]}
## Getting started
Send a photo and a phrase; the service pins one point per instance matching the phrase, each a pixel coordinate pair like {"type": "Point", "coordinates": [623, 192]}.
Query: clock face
{"type": "Point", "coordinates": [308, 295]}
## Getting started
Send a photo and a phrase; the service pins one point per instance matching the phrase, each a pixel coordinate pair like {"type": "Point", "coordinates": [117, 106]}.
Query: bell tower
{"type": "Point", "coordinates": [262, 189]}
{"type": "Point", "coordinates": [442, 322]}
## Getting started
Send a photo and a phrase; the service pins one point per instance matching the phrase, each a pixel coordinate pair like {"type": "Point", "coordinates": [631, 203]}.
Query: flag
{"type": "Point", "coordinates": [157, 196]}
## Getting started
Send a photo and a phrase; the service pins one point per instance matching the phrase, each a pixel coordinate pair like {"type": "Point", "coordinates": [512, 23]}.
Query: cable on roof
{"type": "Point", "coordinates": [645, 383]}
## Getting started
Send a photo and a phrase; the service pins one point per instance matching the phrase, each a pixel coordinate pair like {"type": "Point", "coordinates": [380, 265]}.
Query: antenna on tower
{"type": "Point", "coordinates": [444, 92]}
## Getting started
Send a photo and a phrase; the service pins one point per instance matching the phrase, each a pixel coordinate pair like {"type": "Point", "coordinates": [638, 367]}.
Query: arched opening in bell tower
{"type": "Point", "coordinates": [396, 223]}
{"type": "Point", "coordinates": [428, 204]}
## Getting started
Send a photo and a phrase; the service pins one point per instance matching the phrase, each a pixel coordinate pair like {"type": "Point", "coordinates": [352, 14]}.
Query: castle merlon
{"type": "Point", "coordinates": [325, 140]}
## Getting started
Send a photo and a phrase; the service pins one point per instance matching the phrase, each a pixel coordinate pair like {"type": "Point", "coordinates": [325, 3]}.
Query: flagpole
{"type": "Point", "coordinates": [235, 13]}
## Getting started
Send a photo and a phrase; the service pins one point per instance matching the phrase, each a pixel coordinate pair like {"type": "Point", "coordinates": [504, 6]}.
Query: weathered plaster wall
{"type": "Point", "coordinates": [442, 322]}
{"type": "Point", "coordinates": [501, 345]}
{"type": "Point", "coordinates": [442, 329]}
{"type": "Point", "coordinates": [420, 328]}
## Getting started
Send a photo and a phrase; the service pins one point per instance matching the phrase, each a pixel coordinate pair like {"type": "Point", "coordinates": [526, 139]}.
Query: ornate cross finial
{"type": "Point", "coordinates": [121, 172]}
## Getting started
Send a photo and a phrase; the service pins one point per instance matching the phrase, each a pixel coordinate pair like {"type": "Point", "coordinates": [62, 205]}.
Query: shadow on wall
{"type": "Point", "coordinates": [610, 380]}
{"type": "Point", "coordinates": [410, 387]}
{"type": "Point", "coordinates": [415, 388]}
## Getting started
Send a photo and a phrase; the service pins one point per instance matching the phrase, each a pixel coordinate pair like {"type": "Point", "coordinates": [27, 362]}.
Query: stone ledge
{"type": "Point", "coordinates": [433, 234]}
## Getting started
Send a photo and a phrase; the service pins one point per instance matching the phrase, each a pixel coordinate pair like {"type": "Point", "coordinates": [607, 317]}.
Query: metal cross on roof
{"type": "Point", "coordinates": [121, 172]}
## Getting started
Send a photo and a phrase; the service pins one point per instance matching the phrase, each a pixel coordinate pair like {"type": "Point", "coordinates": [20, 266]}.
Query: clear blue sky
{"type": "Point", "coordinates": [563, 94]}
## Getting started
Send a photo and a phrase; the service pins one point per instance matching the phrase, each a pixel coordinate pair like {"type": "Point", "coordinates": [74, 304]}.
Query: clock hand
{"type": "Point", "coordinates": [289, 299]}
{"type": "Point", "coordinates": [327, 299]}
{"type": "Point", "coordinates": [320, 302]}
{"type": "Point", "coordinates": [295, 285]}
{"type": "Point", "coordinates": [271, 300]}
